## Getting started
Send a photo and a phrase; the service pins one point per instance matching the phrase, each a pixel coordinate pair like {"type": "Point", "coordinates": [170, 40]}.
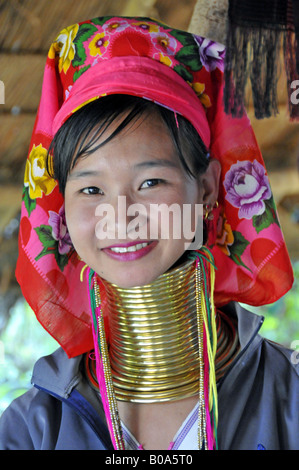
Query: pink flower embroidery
{"type": "Point", "coordinates": [164, 43]}
{"type": "Point", "coordinates": [115, 25]}
{"type": "Point", "coordinates": [211, 53]}
{"type": "Point", "coordinates": [145, 26]}
{"type": "Point", "coordinates": [60, 231]}
{"type": "Point", "coordinates": [247, 188]}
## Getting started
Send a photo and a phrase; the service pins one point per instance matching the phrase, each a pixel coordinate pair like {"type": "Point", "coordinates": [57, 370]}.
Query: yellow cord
{"type": "Point", "coordinates": [82, 272]}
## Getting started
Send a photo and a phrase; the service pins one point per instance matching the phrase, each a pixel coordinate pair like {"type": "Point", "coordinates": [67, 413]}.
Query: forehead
{"type": "Point", "coordinates": [145, 136]}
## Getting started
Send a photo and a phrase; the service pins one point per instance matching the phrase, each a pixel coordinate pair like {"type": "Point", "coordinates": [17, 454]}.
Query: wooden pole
{"type": "Point", "coordinates": [209, 19]}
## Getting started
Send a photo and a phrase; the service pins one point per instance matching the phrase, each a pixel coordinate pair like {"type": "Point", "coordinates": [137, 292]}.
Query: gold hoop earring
{"type": "Point", "coordinates": [209, 211]}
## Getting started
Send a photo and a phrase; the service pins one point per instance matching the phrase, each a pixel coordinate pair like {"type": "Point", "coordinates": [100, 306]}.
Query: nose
{"type": "Point", "coordinates": [121, 219]}
{"type": "Point", "coordinates": [131, 219]}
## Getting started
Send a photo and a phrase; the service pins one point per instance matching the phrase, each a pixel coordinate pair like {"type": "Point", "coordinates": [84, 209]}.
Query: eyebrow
{"type": "Point", "coordinates": [156, 163]}
{"type": "Point", "coordinates": [83, 174]}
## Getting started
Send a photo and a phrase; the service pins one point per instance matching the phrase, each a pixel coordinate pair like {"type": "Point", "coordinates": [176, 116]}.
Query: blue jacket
{"type": "Point", "coordinates": [258, 401]}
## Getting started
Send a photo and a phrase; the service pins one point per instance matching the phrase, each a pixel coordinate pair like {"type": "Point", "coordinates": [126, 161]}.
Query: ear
{"type": "Point", "coordinates": [209, 183]}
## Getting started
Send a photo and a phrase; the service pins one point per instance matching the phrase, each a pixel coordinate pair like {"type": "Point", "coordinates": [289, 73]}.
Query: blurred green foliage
{"type": "Point", "coordinates": [21, 344]}
{"type": "Point", "coordinates": [24, 340]}
{"type": "Point", "coordinates": [282, 318]}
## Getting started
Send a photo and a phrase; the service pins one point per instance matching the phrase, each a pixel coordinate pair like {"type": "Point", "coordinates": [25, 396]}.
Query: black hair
{"type": "Point", "coordinates": [79, 135]}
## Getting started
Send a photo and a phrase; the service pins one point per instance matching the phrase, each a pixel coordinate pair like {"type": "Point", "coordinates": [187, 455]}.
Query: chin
{"type": "Point", "coordinates": [130, 280]}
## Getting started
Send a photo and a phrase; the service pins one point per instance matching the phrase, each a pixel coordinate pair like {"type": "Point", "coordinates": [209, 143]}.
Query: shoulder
{"type": "Point", "coordinates": [21, 423]}
{"type": "Point", "coordinates": [281, 362]}
{"type": "Point", "coordinates": [270, 372]}
{"type": "Point", "coordinates": [280, 351]}
{"type": "Point", "coordinates": [36, 414]}
{"type": "Point", "coordinates": [259, 398]}
{"type": "Point", "coordinates": [255, 348]}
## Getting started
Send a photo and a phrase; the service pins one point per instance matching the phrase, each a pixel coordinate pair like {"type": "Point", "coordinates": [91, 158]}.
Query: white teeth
{"type": "Point", "coordinates": [122, 249]}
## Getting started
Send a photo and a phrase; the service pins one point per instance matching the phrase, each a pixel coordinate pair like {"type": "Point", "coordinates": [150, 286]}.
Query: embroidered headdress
{"type": "Point", "coordinates": [183, 72]}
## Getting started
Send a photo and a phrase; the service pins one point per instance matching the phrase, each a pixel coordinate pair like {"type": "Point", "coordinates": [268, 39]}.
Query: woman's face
{"type": "Point", "coordinates": [125, 243]}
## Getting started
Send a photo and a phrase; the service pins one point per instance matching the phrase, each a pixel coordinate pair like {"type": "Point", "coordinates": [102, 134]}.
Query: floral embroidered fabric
{"type": "Point", "coordinates": [245, 237]}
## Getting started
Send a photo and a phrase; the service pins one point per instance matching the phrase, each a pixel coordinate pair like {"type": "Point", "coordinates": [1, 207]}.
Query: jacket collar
{"type": "Point", "coordinates": [249, 323]}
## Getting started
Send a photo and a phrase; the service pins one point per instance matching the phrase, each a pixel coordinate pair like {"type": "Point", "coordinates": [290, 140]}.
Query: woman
{"type": "Point", "coordinates": [130, 141]}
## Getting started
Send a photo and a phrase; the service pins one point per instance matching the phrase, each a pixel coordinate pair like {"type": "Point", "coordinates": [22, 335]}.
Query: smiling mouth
{"type": "Point", "coordinates": [123, 249]}
{"type": "Point", "coordinates": [130, 251]}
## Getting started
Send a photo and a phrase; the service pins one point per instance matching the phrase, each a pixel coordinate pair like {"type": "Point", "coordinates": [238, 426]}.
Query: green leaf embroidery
{"type": "Point", "coordinates": [184, 73]}
{"type": "Point", "coordinates": [189, 56]}
{"type": "Point", "coordinates": [101, 20]}
{"type": "Point", "coordinates": [30, 204]}
{"type": "Point", "coordinates": [184, 38]}
{"type": "Point", "coordinates": [50, 246]}
{"type": "Point", "coordinates": [237, 248]}
{"type": "Point", "coordinates": [85, 32]}
{"type": "Point", "coordinates": [78, 73]}
{"type": "Point", "coordinates": [44, 233]}
{"type": "Point", "coordinates": [267, 218]}
{"type": "Point", "coordinates": [61, 260]}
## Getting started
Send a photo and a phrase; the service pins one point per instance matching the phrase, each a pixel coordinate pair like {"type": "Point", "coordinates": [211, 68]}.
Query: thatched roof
{"type": "Point", "coordinates": [27, 27]}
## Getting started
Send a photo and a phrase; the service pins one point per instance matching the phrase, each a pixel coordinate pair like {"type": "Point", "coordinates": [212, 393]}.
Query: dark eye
{"type": "Point", "coordinates": [92, 190]}
{"type": "Point", "coordinates": [150, 183]}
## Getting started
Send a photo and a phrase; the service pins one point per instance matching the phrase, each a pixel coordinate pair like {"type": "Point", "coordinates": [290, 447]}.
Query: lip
{"type": "Point", "coordinates": [130, 255]}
